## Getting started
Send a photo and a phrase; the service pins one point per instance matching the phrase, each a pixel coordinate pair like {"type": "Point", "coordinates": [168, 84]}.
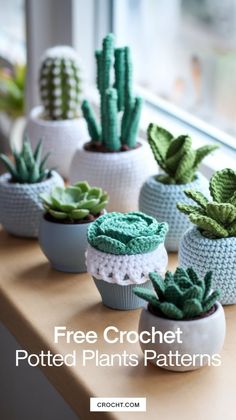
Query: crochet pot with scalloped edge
{"type": "Point", "coordinates": [160, 193]}
{"type": "Point", "coordinates": [122, 249]}
{"type": "Point", "coordinates": [211, 244]}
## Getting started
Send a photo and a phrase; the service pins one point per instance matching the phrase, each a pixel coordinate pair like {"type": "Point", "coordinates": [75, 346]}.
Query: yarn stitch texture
{"type": "Point", "coordinates": [159, 200]}
{"type": "Point", "coordinates": [126, 269]}
{"type": "Point", "coordinates": [131, 233]}
{"type": "Point", "coordinates": [216, 255]}
{"type": "Point", "coordinates": [20, 205]}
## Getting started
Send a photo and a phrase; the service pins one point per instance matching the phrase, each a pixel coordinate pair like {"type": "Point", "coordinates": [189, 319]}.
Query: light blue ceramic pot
{"type": "Point", "coordinates": [216, 255]}
{"type": "Point", "coordinates": [159, 200]}
{"type": "Point", "coordinates": [64, 245]}
{"type": "Point", "coordinates": [120, 297]}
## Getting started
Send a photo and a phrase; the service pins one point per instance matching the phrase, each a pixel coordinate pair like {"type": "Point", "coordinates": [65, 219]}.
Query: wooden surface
{"type": "Point", "coordinates": [34, 299]}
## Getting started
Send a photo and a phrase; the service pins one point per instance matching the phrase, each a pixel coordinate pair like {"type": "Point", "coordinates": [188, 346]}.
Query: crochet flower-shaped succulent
{"type": "Point", "coordinates": [217, 218]}
{"type": "Point", "coordinates": [126, 233]}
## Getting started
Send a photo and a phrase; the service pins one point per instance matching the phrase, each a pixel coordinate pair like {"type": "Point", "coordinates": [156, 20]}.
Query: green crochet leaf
{"type": "Point", "coordinates": [223, 185]}
{"type": "Point", "coordinates": [157, 283]}
{"type": "Point", "coordinates": [198, 197]}
{"type": "Point", "coordinates": [159, 140]}
{"type": "Point", "coordinates": [208, 283]}
{"type": "Point", "coordinates": [170, 310]}
{"type": "Point", "coordinates": [224, 213]}
{"type": "Point", "coordinates": [210, 301]}
{"type": "Point", "coordinates": [146, 295]}
{"type": "Point", "coordinates": [202, 152]}
{"type": "Point", "coordinates": [209, 225]}
{"type": "Point", "coordinates": [188, 209]}
{"type": "Point", "coordinates": [192, 308]}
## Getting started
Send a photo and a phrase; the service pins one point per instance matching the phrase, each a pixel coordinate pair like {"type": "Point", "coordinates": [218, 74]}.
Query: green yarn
{"type": "Point", "coordinates": [60, 84]}
{"type": "Point", "coordinates": [215, 219]}
{"type": "Point", "coordinates": [176, 156]}
{"type": "Point", "coordinates": [126, 233]}
{"type": "Point", "coordinates": [182, 295]}
{"type": "Point", "coordinates": [114, 98]}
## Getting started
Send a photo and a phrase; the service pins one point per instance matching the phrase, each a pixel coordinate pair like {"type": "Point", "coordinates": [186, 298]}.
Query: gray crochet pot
{"type": "Point", "coordinates": [217, 255]}
{"type": "Point", "coordinates": [159, 200]}
{"type": "Point", "coordinates": [64, 245]}
{"type": "Point", "coordinates": [120, 297]}
{"type": "Point", "coordinates": [20, 205]}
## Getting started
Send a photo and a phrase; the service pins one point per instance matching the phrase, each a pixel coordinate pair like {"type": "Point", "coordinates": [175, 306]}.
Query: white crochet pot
{"type": "Point", "coordinates": [202, 337]}
{"type": "Point", "coordinates": [20, 205]}
{"type": "Point", "coordinates": [116, 275]}
{"type": "Point", "coordinates": [120, 174]}
{"type": "Point", "coordinates": [216, 255]}
{"type": "Point", "coordinates": [159, 200]}
{"type": "Point", "coordinates": [60, 138]}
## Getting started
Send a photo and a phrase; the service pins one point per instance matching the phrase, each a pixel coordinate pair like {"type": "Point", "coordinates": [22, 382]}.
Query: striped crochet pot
{"type": "Point", "coordinates": [159, 200]}
{"type": "Point", "coordinates": [216, 255]}
{"type": "Point", "coordinates": [121, 174]}
{"type": "Point", "coordinates": [63, 137]}
{"type": "Point", "coordinates": [20, 205]}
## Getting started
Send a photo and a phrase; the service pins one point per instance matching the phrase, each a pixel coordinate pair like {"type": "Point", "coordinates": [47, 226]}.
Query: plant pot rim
{"type": "Point", "coordinates": [152, 179]}
{"type": "Point", "coordinates": [4, 178]}
{"type": "Point", "coordinates": [36, 116]}
{"type": "Point", "coordinates": [198, 235]}
{"type": "Point", "coordinates": [114, 155]}
{"type": "Point", "coordinates": [205, 319]}
{"type": "Point", "coordinates": [65, 225]}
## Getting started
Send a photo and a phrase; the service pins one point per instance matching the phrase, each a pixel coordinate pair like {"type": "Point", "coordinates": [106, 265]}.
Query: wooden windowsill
{"type": "Point", "coordinates": [34, 298]}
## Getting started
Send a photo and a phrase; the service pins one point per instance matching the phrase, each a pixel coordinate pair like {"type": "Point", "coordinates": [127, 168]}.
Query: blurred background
{"type": "Point", "coordinates": [184, 54]}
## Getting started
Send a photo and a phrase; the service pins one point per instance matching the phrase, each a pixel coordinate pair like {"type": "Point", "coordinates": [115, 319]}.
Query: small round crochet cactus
{"type": "Point", "coordinates": [182, 295]}
{"type": "Point", "coordinates": [60, 83]}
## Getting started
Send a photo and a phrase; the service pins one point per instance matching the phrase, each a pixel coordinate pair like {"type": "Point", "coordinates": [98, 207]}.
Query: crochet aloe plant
{"type": "Point", "coordinates": [217, 218]}
{"type": "Point", "coordinates": [175, 156]}
{"type": "Point", "coordinates": [27, 167]}
{"type": "Point", "coordinates": [182, 295]}
{"type": "Point", "coordinates": [60, 84]}
{"type": "Point", "coordinates": [75, 202]}
{"type": "Point", "coordinates": [113, 99]}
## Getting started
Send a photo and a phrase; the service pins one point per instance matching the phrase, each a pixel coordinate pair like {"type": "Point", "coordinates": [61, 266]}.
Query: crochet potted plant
{"type": "Point", "coordinates": [122, 249]}
{"type": "Point", "coordinates": [63, 229]}
{"type": "Point", "coordinates": [115, 158]}
{"type": "Point", "coordinates": [186, 302]}
{"type": "Point", "coordinates": [58, 121]}
{"type": "Point", "coordinates": [27, 177]}
{"type": "Point", "coordinates": [160, 193]}
{"type": "Point", "coordinates": [211, 244]}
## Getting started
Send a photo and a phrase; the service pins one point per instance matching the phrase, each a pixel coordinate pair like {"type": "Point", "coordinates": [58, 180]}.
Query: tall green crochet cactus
{"type": "Point", "coordinates": [176, 156]}
{"type": "Point", "coordinates": [215, 219]}
{"type": "Point", "coordinates": [182, 295]}
{"type": "Point", "coordinates": [114, 98]}
{"type": "Point", "coordinates": [60, 84]}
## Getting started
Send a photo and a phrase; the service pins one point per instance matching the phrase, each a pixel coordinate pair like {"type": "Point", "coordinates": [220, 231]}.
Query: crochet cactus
{"type": "Point", "coordinates": [215, 219]}
{"type": "Point", "coordinates": [182, 295]}
{"type": "Point", "coordinates": [60, 83]}
{"type": "Point", "coordinates": [75, 202]}
{"type": "Point", "coordinates": [176, 156]}
{"type": "Point", "coordinates": [27, 167]}
{"type": "Point", "coordinates": [113, 99]}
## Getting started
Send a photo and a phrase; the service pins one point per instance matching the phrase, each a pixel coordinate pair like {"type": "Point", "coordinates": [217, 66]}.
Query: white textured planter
{"type": "Point", "coordinates": [159, 200]}
{"type": "Point", "coordinates": [216, 255]}
{"type": "Point", "coordinates": [20, 205]}
{"type": "Point", "coordinates": [116, 275]}
{"type": "Point", "coordinates": [204, 336]}
{"type": "Point", "coordinates": [64, 245]}
{"type": "Point", "coordinates": [120, 174]}
{"type": "Point", "coordinates": [60, 138]}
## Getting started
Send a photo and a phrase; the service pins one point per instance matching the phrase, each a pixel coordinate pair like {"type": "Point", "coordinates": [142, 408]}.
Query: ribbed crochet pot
{"type": "Point", "coordinates": [159, 200]}
{"type": "Point", "coordinates": [121, 174]}
{"type": "Point", "coordinates": [217, 255]}
{"type": "Point", "coordinates": [20, 205]}
{"type": "Point", "coordinates": [64, 245]}
{"type": "Point", "coordinates": [122, 250]}
{"type": "Point", "coordinates": [61, 136]}
{"type": "Point", "coordinates": [203, 336]}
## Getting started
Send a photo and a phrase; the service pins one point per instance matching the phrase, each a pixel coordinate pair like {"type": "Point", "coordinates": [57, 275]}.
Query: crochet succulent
{"type": "Point", "coordinates": [126, 233]}
{"type": "Point", "coordinates": [27, 167]}
{"type": "Point", "coordinates": [75, 202]}
{"type": "Point", "coordinates": [113, 99]}
{"type": "Point", "coordinates": [60, 84]}
{"type": "Point", "coordinates": [175, 156]}
{"type": "Point", "coordinates": [182, 295]}
{"type": "Point", "coordinates": [217, 218]}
